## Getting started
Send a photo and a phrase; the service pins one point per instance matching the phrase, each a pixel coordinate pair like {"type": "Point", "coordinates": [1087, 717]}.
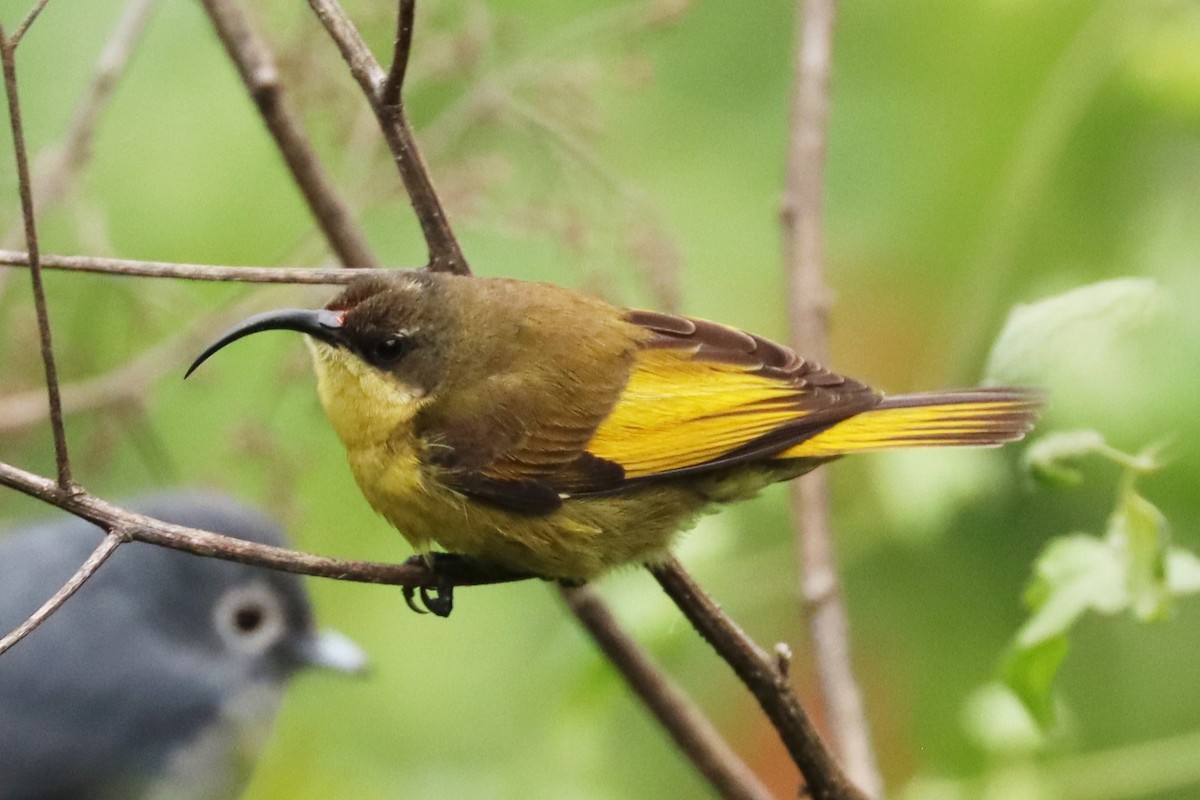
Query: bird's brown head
{"type": "Point", "coordinates": [377, 345]}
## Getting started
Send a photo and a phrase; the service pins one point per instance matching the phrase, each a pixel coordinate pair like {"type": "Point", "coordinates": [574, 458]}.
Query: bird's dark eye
{"type": "Point", "coordinates": [249, 618]}
{"type": "Point", "coordinates": [390, 349]}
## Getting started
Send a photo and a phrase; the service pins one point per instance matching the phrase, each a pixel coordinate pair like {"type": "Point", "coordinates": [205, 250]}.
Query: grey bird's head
{"type": "Point", "coordinates": [160, 678]}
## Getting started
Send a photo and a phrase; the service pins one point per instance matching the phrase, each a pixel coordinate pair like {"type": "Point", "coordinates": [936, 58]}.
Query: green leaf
{"type": "Point", "coordinates": [1139, 529]}
{"type": "Point", "coordinates": [1076, 330]}
{"type": "Point", "coordinates": [1049, 458]}
{"type": "Point", "coordinates": [1183, 572]}
{"type": "Point", "coordinates": [1001, 723]}
{"type": "Point", "coordinates": [1030, 671]}
{"type": "Point", "coordinates": [1074, 573]}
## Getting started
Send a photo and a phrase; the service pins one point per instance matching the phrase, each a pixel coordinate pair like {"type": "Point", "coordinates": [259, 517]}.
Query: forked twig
{"type": "Point", "coordinates": [763, 676]}
{"type": "Point", "coordinates": [256, 66]}
{"type": "Point", "coordinates": [108, 545]}
{"type": "Point", "coordinates": [808, 312]}
{"type": "Point", "coordinates": [445, 255]}
{"type": "Point", "coordinates": [23, 28]}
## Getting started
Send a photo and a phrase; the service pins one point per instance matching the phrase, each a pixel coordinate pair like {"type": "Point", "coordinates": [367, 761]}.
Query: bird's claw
{"type": "Point", "coordinates": [438, 600]}
{"type": "Point", "coordinates": [410, 599]}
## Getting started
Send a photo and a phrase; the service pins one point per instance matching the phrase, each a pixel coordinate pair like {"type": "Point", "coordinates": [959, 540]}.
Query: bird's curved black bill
{"type": "Point", "coordinates": [321, 324]}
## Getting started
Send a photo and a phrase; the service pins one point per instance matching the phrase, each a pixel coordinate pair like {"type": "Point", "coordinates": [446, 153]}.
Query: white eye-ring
{"type": "Point", "coordinates": [249, 618]}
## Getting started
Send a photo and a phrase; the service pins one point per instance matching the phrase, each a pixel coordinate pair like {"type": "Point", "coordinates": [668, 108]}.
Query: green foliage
{"type": "Point", "coordinates": [1077, 331]}
{"type": "Point", "coordinates": [1133, 568]}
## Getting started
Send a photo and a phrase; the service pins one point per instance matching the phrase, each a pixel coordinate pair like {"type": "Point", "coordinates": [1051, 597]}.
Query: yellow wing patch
{"type": "Point", "coordinates": [678, 412]}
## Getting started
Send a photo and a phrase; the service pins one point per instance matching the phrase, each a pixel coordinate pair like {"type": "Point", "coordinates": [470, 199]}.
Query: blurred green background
{"type": "Point", "coordinates": [981, 154]}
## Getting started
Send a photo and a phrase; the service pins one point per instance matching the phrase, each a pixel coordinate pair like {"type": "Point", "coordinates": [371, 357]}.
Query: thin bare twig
{"type": "Point", "coordinates": [761, 674]}
{"type": "Point", "coordinates": [390, 96]}
{"type": "Point", "coordinates": [23, 28]}
{"type": "Point", "coordinates": [808, 312]}
{"type": "Point", "coordinates": [445, 255]}
{"type": "Point", "coordinates": [256, 65]}
{"type": "Point", "coordinates": [61, 459]}
{"type": "Point", "coordinates": [692, 731]}
{"type": "Point", "coordinates": [87, 569]}
{"type": "Point", "coordinates": [191, 272]}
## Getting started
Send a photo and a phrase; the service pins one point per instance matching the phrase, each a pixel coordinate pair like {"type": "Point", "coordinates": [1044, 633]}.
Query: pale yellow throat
{"type": "Point", "coordinates": [365, 406]}
{"type": "Point", "coordinates": [372, 414]}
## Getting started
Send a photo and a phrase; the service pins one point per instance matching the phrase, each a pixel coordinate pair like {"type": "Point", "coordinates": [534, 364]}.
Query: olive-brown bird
{"type": "Point", "coordinates": [547, 432]}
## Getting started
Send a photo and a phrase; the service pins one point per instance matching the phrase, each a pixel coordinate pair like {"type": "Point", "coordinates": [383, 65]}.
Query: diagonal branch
{"type": "Point", "coordinates": [808, 311]}
{"type": "Point", "coordinates": [445, 255]}
{"type": "Point", "coordinates": [766, 680]}
{"type": "Point", "coordinates": [686, 724]}
{"type": "Point", "coordinates": [108, 545]}
{"type": "Point", "coordinates": [61, 458]}
{"type": "Point", "coordinates": [257, 68]}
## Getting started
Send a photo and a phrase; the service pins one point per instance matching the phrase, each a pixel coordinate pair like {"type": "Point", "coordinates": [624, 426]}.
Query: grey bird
{"type": "Point", "coordinates": [161, 677]}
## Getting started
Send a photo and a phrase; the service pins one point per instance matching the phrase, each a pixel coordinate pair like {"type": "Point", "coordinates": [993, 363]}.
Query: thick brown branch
{"type": "Point", "coordinates": [808, 312]}
{"type": "Point", "coordinates": [444, 253]}
{"type": "Point", "coordinates": [191, 272]}
{"type": "Point", "coordinates": [138, 527]}
{"type": "Point", "coordinates": [61, 458]}
{"type": "Point", "coordinates": [256, 65]}
{"type": "Point", "coordinates": [687, 725]}
{"type": "Point", "coordinates": [87, 569]}
{"type": "Point", "coordinates": [766, 681]}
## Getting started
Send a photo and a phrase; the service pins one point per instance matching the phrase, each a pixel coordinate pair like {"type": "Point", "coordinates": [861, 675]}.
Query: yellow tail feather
{"type": "Point", "coordinates": [979, 417]}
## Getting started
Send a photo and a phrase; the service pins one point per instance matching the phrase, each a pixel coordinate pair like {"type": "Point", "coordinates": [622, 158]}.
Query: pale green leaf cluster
{"type": "Point", "coordinates": [1132, 568]}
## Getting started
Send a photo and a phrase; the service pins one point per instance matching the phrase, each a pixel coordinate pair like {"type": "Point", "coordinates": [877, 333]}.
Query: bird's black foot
{"type": "Point", "coordinates": [447, 570]}
{"type": "Point", "coordinates": [437, 598]}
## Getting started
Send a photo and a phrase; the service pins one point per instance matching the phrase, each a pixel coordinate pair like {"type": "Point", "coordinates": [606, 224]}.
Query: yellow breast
{"type": "Point", "coordinates": [372, 415]}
